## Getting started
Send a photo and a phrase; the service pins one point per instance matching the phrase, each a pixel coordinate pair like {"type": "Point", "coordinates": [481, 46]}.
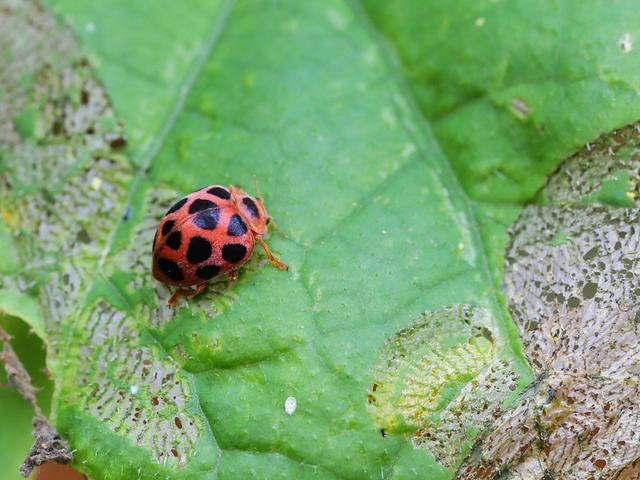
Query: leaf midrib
{"type": "Point", "coordinates": [204, 52]}
{"type": "Point", "coordinates": [505, 324]}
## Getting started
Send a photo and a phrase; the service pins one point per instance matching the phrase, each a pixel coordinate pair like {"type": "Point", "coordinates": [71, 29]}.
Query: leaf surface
{"type": "Point", "coordinates": [377, 228]}
{"type": "Point", "coordinates": [512, 88]}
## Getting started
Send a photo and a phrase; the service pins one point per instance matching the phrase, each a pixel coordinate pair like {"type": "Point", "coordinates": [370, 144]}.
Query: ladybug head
{"type": "Point", "coordinates": [252, 210]}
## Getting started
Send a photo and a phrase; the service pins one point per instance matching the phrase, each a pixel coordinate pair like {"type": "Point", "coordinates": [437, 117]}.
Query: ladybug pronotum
{"type": "Point", "coordinates": [210, 232]}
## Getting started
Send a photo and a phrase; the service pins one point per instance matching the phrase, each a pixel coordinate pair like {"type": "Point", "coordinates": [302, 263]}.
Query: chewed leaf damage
{"type": "Point", "coordinates": [62, 195]}
{"type": "Point", "coordinates": [576, 301]}
{"type": "Point", "coordinates": [439, 379]}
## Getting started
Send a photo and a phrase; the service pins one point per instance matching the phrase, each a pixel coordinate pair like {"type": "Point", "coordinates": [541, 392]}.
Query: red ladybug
{"type": "Point", "coordinates": [206, 234]}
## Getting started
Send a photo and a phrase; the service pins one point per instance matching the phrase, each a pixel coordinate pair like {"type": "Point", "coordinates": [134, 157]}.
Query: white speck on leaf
{"type": "Point", "coordinates": [290, 405]}
{"type": "Point", "coordinates": [292, 25]}
{"type": "Point", "coordinates": [134, 389]}
{"type": "Point", "coordinates": [96, 183]}
{"type": "Point", "coordinates": [519, 108]}
{"type": "Point", "coordinates": [337, 19]}
{"type": "Point", "coordinates": [408, 149]}
{"type": "Point", "coordinates": [480, 21]}
{"type": "Point", "coordinates": [625, 43]}
{"type": "Point", "coordinates": [90, 27]}
{"type": "Point", "coordinates": [169, 70]}
{"type": "Point", "coordinates": [370, 56]}
{"type": "Point", "coordinates": [389, 117]}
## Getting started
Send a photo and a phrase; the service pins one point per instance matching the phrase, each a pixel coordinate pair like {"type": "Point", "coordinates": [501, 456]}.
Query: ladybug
{"type": "Point", "coordinates": [208, 233]}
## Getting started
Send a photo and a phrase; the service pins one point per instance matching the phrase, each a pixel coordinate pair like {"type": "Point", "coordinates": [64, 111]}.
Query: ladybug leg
{"type": "Point", "coordinates": [274, 261]}
{"type": "Point", "coordinates": [233, 277]}
{"type": "Point", "coordinates": [185, 292]}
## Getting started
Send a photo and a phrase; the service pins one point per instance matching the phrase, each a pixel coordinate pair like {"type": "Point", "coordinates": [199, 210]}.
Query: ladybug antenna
{"type": "Point", "coordinates": [255, 181]}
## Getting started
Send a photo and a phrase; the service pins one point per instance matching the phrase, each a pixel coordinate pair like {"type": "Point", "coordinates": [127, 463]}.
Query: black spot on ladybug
{"type": "Point", "coordinates": [251, 207]}
{"type": "Point", "coordinates": [170, 269]}
{"type": "Point", "coordinates": [233, 252]}
{"type": "Point", "coordinates": [174, 240]}
{"type": "Point", "coordinates": [207, 220]}
{"type": "Point", "coordinates": [236, 227]}
{"type": "Point", "coordinates": [177, 206]}
{"type": "Point", "coordinates": [166, 228]}
{"type": "Point", "coordinates": [199, 250]}
{"type": "Point", "coordinates": [208, 272]}
{"type": "Point", "coordinates": [220, 192]}
{"type": "Point", "coordinates": [199, 205]}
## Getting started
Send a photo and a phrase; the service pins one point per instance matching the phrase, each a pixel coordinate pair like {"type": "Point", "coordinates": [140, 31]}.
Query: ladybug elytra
{"type": "Point", "coordinates": [208, 233]}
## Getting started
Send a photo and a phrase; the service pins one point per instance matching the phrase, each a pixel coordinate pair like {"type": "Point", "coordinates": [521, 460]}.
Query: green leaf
{"type": "Point", "coordinates": [378, 225]}
{"type": "Point", "coordinates": [510, 89]}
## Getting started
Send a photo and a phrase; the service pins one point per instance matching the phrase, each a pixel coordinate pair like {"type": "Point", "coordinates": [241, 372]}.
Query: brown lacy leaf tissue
{"type": "Point", "coordinates": [572, 279]}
